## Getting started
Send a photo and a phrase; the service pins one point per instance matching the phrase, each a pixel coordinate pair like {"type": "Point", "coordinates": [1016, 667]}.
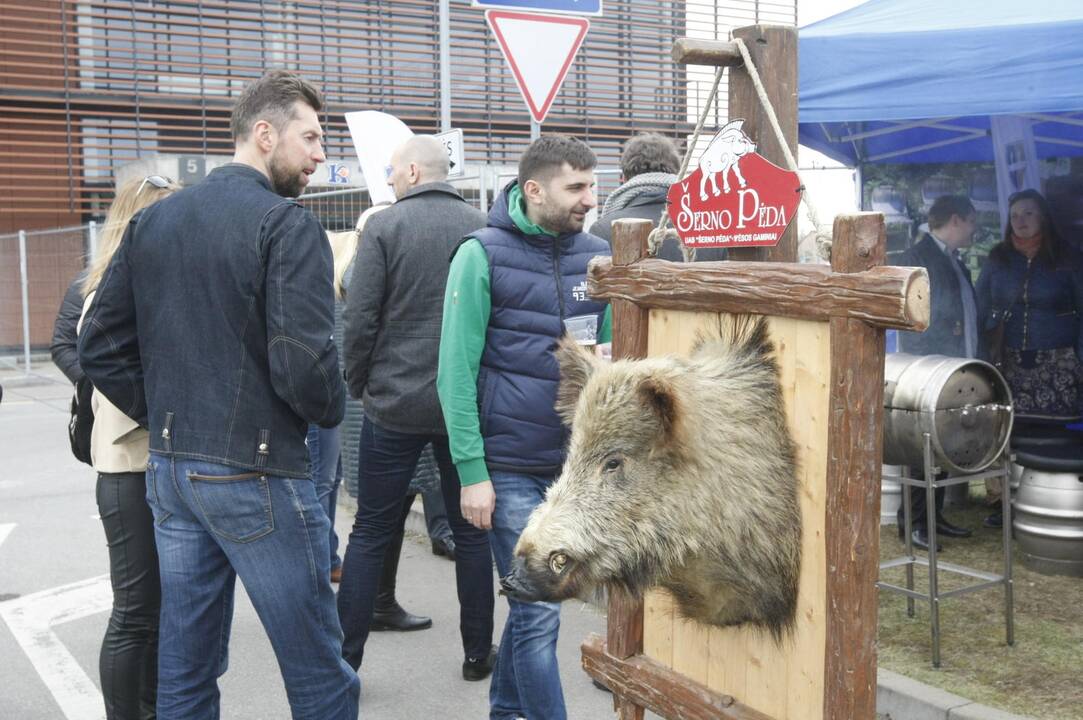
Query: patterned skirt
{"type": "Point", "coordinates": [1045, 383]}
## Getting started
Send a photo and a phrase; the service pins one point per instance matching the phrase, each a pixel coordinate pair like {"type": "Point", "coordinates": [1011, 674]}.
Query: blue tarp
{"type": "Point", "coordinates": [916, 80]}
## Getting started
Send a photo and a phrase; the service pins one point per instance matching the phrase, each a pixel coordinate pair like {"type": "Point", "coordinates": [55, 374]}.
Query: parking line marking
{"type": "Point", "coordinates": [31, 619]}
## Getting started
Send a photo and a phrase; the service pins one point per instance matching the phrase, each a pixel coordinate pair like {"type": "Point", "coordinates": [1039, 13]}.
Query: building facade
{"type": "Point", "coordinates": [88, 87]}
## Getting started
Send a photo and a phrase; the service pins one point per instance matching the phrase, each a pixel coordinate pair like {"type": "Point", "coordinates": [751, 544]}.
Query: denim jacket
{"type": "Point", "coordinates": [213, 324]}
{"type": "Point", "coordinates": [1042, 305]}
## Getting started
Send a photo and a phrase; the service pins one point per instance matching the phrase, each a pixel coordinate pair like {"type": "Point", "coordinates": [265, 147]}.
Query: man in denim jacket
{"type": "Point", "coordinates": [212, 327]}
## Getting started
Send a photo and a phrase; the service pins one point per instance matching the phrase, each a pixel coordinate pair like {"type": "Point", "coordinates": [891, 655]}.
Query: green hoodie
{"type": "Point", "coordinates": [467, 304]}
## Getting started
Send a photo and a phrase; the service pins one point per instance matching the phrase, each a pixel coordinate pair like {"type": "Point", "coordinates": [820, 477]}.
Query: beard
{"type": "Point", "coordinates": [284, 181]}
{"type": "Point", "coordinates": [561, 220]}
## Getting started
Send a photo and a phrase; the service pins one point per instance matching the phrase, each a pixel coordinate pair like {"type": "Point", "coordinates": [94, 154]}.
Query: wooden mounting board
{"type": "Point", "coordinates": [787, 682]}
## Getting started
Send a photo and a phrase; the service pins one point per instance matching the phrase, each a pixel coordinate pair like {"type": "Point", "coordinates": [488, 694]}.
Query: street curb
{"type": "Point", "coordinates": [900, 698]}
{"type": "Point", "coordinates": [897, 696]}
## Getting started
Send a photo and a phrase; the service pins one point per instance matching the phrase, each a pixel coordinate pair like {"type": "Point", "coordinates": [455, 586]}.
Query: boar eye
{"type": "Point", "coordinates": [557, 561]}
{"type": "Point", "coordinates": [612, 463]}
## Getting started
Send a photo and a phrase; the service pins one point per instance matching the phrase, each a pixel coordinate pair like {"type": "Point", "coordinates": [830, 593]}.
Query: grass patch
{"type": "Point", "coordinates": [1040, 676]}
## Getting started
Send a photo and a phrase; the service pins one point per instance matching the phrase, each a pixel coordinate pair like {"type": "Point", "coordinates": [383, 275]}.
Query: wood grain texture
{"type": "Point", "coordinates": [773, 49]}
{"type": "Point", "coordinates": [785, 682]}
{"type": "Point", "coordinates": [664, 692]}
{"type": "Point", "coordinates": [624, 628]}
{"type": "Point", "coordinates": [629, 319]}
{"type": "Point", "coordinates": [695, 51]}
{"type": "Point", "coordinates": [889, 297]}
{"type": "Point", "coordinates": [853, 486]}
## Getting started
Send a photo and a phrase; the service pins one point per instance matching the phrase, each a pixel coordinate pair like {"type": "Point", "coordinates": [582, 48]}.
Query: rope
{"type": "Point", "coordinates": [663, 231]}
{"type": "Point", "coordinates": [791, 163]}
{"type": "Point", "coordinates": [660, 233]}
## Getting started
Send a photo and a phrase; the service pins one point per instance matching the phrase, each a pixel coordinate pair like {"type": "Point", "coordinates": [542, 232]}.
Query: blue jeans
{"type": "Point", "coordinates": [213, 523]}
{"type": "Point", "coordinates": [386, 462]}
{"type": "Point", "coordinates": [325, 467]}
{"type": "Point", "coordinates": [526, 681]}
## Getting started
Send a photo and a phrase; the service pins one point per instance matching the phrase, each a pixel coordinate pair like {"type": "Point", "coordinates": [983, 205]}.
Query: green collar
{"type": "Point", "coordinates": [517, 211]}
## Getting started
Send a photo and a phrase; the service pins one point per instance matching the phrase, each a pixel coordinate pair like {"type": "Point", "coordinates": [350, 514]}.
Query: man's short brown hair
{"type": "Point", "coordinates": [547, 155]}
{"type": "Point", "coordinates": [272, 98]}
{"type": "Point", "coordinates": [649, 153]}
{"type": "Point", "coordinates": [947, 205]}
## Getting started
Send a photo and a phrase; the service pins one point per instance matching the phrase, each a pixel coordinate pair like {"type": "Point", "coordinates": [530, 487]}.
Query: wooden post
{"type": "Point", "coordinates": [629, 320]}
{"type": "Point", "coordinates": [624, 636]}
{"type": "Point", "coordinates": [773, 49]}
{"type": "Point", "coordinates": [853, 484]}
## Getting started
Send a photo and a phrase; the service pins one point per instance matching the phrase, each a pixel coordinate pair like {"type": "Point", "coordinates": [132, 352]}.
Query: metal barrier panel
{"type": "Point", "coordinates": [52, 259]}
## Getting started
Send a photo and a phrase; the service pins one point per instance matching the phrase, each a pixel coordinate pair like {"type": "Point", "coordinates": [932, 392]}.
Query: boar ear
{"type": "Point", "coordinates": [576, 366]}
{"type": "Point", "coordinates": [660, 397]}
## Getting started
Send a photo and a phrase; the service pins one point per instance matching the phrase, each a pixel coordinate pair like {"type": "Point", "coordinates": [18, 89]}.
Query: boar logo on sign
{"type": "Point", "coordinates": [754, 210]}
{"type": "Point", "coordinates": [723, 155]}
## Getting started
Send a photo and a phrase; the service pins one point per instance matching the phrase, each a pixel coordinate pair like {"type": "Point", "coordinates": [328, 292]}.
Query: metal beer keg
{"type": "Point", "coordinates": [965, 406]}
{"type": "Point", "coordinates": [890, 493]}
{"type": "Point", "coordinates": [1048, 511]}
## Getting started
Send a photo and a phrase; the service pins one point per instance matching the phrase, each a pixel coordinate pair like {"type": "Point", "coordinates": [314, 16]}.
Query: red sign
{"type": "Point", "coordinates": [735, 198]}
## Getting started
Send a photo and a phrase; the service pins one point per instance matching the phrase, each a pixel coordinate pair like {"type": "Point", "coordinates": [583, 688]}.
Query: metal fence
{"type": "Point", "coordinates": [36, 267]}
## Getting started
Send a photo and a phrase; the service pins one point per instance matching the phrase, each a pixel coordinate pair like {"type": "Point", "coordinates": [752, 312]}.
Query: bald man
{"type": "Point", "coordinates": [392, 337]}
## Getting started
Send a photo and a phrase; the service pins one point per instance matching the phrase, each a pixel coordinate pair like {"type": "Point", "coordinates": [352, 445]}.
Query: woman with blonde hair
{"type": "Point", "coordinates": [128, 662]}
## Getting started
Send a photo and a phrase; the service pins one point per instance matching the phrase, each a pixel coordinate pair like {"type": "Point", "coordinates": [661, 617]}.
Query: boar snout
{"type": "Point", "coordinates": [536, 584]}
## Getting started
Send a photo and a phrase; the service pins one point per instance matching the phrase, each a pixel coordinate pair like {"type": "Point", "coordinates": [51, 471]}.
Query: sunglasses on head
{"type": "Point", "coordinates": [156, 180]}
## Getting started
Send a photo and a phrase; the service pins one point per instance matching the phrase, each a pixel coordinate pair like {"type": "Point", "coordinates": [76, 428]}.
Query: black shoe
{"type": "Point", "coordinates": [945, 528]}
{"type": "Point", "coordinates": [475, 669]}
{"type": "Point", "coordinates": [920, 538]}
{"type": "Point", "coordinates": [444, 547]}
{"type": "Point", "coordinates": [996, 520]}
{"type": "Point", "coordinates": [395, 619]}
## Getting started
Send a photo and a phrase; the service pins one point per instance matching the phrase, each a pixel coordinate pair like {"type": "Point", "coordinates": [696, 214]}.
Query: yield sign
{"type": "Point", "coordinates": [539, 49]}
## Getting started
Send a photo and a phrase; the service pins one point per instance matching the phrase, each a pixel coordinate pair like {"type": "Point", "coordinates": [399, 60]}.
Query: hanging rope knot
{"type": "Point", "coordinates": [658, 236]}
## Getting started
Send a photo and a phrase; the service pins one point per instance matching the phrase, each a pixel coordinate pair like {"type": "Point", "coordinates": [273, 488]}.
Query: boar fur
{"type": "Point", "coordinates": [680, 473]}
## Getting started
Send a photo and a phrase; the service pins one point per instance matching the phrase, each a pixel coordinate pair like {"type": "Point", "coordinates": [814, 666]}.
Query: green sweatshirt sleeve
{"type": "Point", "coordinates": [467, 303]}
{"type": "Point", "coordinates": [605, 333]}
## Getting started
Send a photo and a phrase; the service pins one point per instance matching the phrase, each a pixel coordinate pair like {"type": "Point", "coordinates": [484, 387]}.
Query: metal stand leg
{"type": "Point", "coordinates": [930, 528]}
{"type": "Point", "coordinates": [908, 524]}
{"type": "Point", "coordinates": [1006, 514]}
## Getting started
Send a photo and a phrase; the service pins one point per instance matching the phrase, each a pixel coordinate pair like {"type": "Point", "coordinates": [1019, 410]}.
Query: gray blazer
{"type": "Point", "coordinates": [395, 304]}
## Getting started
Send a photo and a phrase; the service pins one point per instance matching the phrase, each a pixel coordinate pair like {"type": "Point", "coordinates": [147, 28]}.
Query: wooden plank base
{"type": "Point", "coordinates": [653, 686]}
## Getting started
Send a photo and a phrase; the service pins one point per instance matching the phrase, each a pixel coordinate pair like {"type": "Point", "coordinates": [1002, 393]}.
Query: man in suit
{"type": "Point", "coordinates": [953, 325]}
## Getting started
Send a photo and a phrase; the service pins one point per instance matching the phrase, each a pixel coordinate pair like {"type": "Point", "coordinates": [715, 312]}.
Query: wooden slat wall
{"type": "Point", "coordinates": [785, 682]}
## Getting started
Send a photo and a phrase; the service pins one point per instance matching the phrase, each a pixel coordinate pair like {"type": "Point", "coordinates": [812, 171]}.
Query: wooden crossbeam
{"type": "Point", "coordinates": [886, 297]}
{"type": "Point", "coordinates": [651, 685]}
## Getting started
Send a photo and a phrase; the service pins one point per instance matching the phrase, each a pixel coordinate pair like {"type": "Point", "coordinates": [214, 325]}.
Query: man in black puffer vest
{"type": "Point", "coordinates": [514, 288]}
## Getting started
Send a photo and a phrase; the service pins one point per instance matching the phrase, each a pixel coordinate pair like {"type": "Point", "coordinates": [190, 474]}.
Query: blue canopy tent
{"type": "Point", "coordinates": [912, 81]}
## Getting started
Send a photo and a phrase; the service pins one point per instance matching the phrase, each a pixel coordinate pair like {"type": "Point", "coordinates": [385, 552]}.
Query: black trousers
{"type": "Point", "coordinates": [386, 462]}
{"type": "Point", "coordinates": [918, 511]}
{"type": "Point", "coordinates": [128, 663]}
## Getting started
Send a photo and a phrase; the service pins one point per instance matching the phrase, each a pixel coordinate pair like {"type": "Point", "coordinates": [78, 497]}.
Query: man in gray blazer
{"type": "Point", "coordinates": [392, 338]}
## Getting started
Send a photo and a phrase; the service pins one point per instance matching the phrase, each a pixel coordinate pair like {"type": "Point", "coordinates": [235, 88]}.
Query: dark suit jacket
{"type": "Point", "coordinates": [946, 333]}
{"type": "Point", "coordinates": [649, 207]}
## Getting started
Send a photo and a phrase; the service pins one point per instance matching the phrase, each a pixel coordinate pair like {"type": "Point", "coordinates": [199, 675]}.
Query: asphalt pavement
{"type": "Point", "coordinates": [55, 599]}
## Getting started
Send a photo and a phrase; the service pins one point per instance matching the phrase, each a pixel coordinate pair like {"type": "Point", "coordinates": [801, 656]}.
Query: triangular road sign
{"type": "Point", "coordinates": [540, 50]}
